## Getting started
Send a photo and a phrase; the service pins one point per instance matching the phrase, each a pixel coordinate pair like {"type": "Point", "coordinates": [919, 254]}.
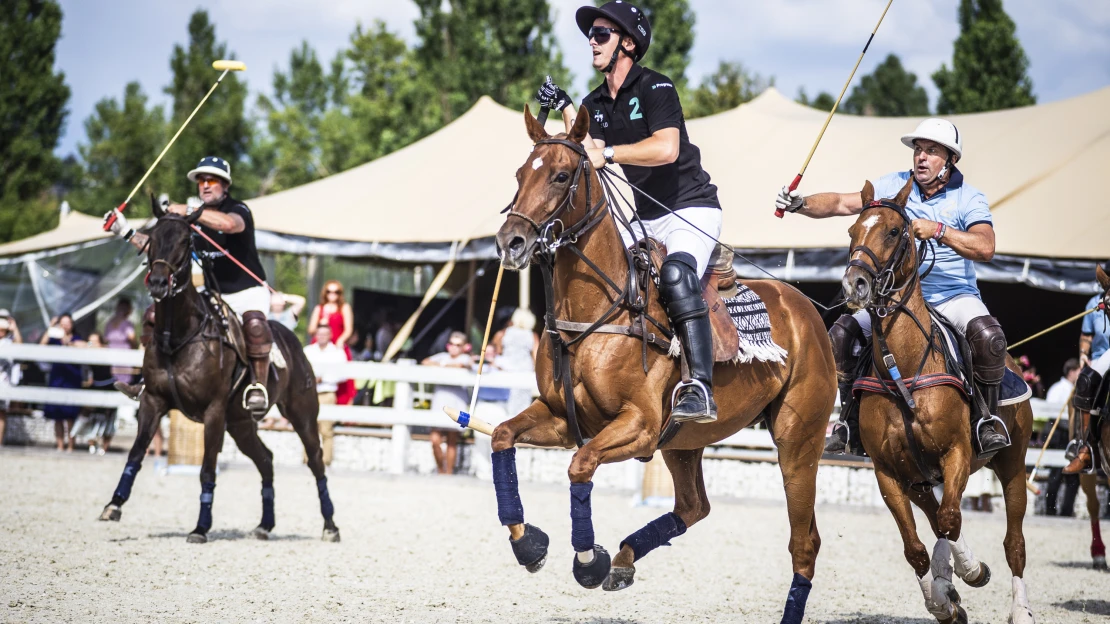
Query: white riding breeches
{"type": "Point", "coordinates": [1102, 363]}
{"type": "Point", "coordinates": [678, 235]}
{"type": "Point", "coordinates": [960, 309]}
{"type": "Point", "coordinates": [255, 298]}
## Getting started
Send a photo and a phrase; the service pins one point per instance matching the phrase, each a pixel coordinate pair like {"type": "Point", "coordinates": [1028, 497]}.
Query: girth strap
{"type": "Point", "coordinates": [636, 331]}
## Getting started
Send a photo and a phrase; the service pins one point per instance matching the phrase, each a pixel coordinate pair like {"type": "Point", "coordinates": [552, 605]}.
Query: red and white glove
{"type": "Point", "coordinates": [119, 226]}
{"type": "Point", "coordinates": [790, 201]}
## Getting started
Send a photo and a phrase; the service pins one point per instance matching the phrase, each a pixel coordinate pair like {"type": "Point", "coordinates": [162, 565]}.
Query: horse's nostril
{"type": "Point", "coordinates": [516, 244]}
{"type": "Point", "coordinates": [861, 287]}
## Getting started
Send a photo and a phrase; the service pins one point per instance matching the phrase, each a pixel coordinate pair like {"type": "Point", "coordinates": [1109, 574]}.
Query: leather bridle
{"type": "Point", "coordinates": [177, 284]}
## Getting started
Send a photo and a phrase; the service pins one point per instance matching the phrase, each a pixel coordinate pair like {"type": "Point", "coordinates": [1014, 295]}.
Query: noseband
{"type": "Point", "coordinates": [882, 274]}
{"type": "Point", "coordinates": [177, 284]}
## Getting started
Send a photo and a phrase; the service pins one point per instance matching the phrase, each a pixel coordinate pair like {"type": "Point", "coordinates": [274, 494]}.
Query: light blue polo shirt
{"type": "Point", "coordinates": [1098, 327]}
{"type": "Point", "coordinates": [959, 206]}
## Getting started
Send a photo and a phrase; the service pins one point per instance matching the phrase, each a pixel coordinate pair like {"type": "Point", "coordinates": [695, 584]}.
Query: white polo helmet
{"type": "Point", "coordinates": [939, 130]}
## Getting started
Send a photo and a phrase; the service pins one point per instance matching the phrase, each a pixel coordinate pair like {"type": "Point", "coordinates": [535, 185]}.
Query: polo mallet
{"type": "Point", "coordinates": [1029, 484]}
{"type": "Point", "coordinates": [779, 212]}
{"type": "Point", "coordinates": [542, 117]}
{"type": "Point", "coordinates": [464, 418]}
{"type": "Point", "coordinates": [1056, 326]}
{"type": "Point", "coordinates": [226, 66]}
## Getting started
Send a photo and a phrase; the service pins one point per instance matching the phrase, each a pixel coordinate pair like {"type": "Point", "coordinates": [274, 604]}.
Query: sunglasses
{"type": "Point", "coordinates": [208, 181]}
{"type": "Point", "coordinates": [334, 292]}
{"type": "Point", "coordinates": [601, 34]}
{"type": "Point", "coordinates": [456, 344]}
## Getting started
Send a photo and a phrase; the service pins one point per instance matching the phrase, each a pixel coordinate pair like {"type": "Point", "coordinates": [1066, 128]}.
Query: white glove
{"type": "Point", "coordinates": [119, 227]}
{"type": "Point", "coordinates": [790, 201]}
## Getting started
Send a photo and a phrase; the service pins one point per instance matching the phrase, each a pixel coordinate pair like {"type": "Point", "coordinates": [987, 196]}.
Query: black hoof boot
{"type": "Point", "coordinates": [961, 615]}
{"type": "Point", "coordinates": [619, 578]}
{"type": "Point", "coordinates": [594, 573]}
{"type": "Point", "coordinates": [111, 512]}
{"type": "Point", "coordinates": [531, 548]}
{"type": "Point", "coordinates": [984, 576]}
{"type": "Point", "coordinates": [330, 535]}
{"type": "Point", "coordinates": [261, 532]}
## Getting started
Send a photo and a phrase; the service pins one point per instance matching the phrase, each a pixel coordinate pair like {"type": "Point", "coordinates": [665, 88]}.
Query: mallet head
{"type": "Point", "coordinates": [228, 65]}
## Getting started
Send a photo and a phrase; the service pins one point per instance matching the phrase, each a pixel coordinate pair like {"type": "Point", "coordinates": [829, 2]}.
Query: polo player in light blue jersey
{"type": "Point", "coordinates": [956, 217]}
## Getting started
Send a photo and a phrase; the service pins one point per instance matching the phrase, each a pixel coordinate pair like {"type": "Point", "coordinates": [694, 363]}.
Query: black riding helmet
{"type": "Point", "coordinates": [629, 18]}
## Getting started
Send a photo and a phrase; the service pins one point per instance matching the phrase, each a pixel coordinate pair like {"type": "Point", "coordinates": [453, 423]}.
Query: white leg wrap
{"type": "Point", "coordinates": [936, 601]}
{"type": "Point", "coordinates": [941, 565]}
{"type": "Point", "coordinates": [967, 566]}
{"type": "Point", "coordinates": [586, 558]}
{"type": "Point", "coordinates": [1020, 613]}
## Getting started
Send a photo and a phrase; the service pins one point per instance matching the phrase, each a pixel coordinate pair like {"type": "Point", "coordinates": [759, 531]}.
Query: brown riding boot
{"type": "Point", "coordinates": [1082, 460]}
{"type": "Point", "coordinates": [259, 340]}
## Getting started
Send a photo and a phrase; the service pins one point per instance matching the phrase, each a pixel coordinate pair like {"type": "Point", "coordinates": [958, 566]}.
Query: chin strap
{"type": "Point", "coordinates": [616, 53]}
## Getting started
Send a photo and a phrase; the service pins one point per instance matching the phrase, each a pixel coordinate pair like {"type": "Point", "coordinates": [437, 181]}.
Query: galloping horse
{"type": "Point", "coordinates": [913, 447]}
{"type": "Point", "coordinates": [192, 365]}
{"type": "Point", "coordinates": [621, 388]}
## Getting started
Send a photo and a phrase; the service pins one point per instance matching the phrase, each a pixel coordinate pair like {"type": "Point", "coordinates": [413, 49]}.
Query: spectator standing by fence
{"type": "Point", "coordinates": [101, 421]}
{"type": "Point", "coordinates": [286, 309]}
{"type": "Point", "coordinates": [119, 333]}
{"type": "Point", "coordinates": [519, 344]}
{"type": "Point", "coordinates": [334, 311]}
{"type": "Point", "coordinates": [61, 375]}
{"type": "Point", "coordinates": [1059, 397]}
{"type": "Point", "coordinates": [321, 353]}
{"type": "Point", "coordinates": [9, 371]}
{"type": "Point", "coordinates": [457, 355]}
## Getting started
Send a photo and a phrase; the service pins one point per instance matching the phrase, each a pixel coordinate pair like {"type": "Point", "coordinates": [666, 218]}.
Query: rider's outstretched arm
{"type": "Point", "coordinates": [824, 205]}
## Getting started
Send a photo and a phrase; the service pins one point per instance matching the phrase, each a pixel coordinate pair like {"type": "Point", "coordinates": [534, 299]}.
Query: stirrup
{"type": "Point", "coordinates": [710, 413]}
{"type": "Point", "coordinates": [261, 388]}
{"type": "Point", "coordinates": [1071, 451]}
{"type": "Point", "coordinates": [990, 418]}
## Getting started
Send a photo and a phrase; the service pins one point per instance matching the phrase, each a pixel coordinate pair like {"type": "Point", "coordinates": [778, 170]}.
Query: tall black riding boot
{"type": "Point", "coordinates": [988, 348]}
{"type": "Point", "coordinates": [680, 289]}
{"type": "Point", "coordinates": [259, 340]}
{"type": "Point", "coordinates": [846, 337]}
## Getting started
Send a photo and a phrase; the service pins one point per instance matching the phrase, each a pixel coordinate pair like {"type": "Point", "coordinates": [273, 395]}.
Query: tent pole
{"type": "Point", "coordinates": [471, 270]}
{"type": "Point", "coordinates": [313, 285]}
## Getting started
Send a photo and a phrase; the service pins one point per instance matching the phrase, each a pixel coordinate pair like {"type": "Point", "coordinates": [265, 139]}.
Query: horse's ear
{"type": "Point", "coordinates": [536, 131]}
{"type": "Point", "coordinates": [156, 207]}
{"type": "Point", "coordinates": [581, 125]}
{"type": "Point", "coordinates": [904, 194]}
{"type": "Point", "coordinates": [868, 193]}
{"type": "Point", "coordinates": [1102, 277]}
{"type": "Point", "coordinates": [196, 215]}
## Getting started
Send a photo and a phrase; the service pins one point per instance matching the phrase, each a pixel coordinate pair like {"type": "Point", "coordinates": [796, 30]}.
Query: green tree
{"type": "Point", "coordinates": [500, 48]}
{"type": "Point", "coordinates": [889, 91]}
{"type": "Point", "coordinates": [123, 140]}
{"type": "Point", "coordinates": [725, 89]}
{"type": "Point", "coordinates": [33, 97]}
{"type": "Point", "coordinates": [824, 100]}
{"type": "Point", "coordinates": [220, 127]}
{"type": "Point", "coordinates": [672, 37]}
{"type": "Point", "coordinates": [989, 66]}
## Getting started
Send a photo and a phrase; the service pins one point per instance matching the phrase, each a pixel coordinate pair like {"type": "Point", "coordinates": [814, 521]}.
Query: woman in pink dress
{"type": "Point", "coordinates": [119, 333]}
{"type": "Point", "coordinates": [334, 311]}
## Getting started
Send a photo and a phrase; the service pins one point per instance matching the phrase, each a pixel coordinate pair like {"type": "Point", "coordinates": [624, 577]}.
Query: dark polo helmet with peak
{"type": "Point", "coordinates": [628, 17]}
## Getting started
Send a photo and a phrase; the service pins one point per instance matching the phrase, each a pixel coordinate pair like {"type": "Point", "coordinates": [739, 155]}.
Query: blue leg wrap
{"type": "Point", "coordinates": [207, 493]}
{"type": "Point", "coordinates": [326, 508]}
{"type": "Point", "coordinates": [658, 532]}
{"type": "Point", "coordinates": [268, 505]}
{"type": "Point", "coordinates": [796, 601]}
{"type": "Point", "coordinates": [126, 480]}
{"type": "Point", "coordinates": [581, 517]}
{"type": "Point", "coordinates": [507, 488]}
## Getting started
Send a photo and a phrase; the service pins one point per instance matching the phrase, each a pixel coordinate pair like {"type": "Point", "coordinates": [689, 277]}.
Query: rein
{"type": "Point", "coordinates": [888, 300]}
{"type": "Point", "coordinates": [553, 234]}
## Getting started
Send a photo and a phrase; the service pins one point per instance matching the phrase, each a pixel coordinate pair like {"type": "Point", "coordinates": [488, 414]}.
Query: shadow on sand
{"type": "Point", "coordinates": [1094, 607]}
{"type": "Point", "coordinates": [1075, 565]}
{"type": "Point", "coordinates": [230, 534]}
{"type": "Point", "coordinates": [863, 618]}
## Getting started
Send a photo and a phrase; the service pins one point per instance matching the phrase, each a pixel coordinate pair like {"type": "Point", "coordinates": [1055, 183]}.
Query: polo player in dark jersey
{"type": "Point", "coordinates": [637, 122]}
{"type": "Point", "coordinates": [229, 223]}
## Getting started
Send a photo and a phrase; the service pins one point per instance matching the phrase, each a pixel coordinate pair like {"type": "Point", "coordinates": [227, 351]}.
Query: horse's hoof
{"type": "Point", "coordinates": [618, 579]}
{"type": "Point", "coordinates": [197, 538]}
{"type": "Point", "coordinates": [984, 576]}
{"type": "Point", "coordinates": [113, 513]}
{"type": "Point", "coordinates": [330, 535]}
{"type": "Point", "coordinates": [1099, 562]}
{"type": "Point", "coordinates": [961, 615]}
{"type": "Point", "coordinates": [952, 594]}
{"type": "Point", "coordinates": [260, 533]}
{"type": "Point", "coordinates": [531, 548]}
{"type": "Point", "coordinates": [594, 573]}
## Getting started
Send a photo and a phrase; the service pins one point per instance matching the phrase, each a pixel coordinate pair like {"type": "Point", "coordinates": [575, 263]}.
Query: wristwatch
{"type": "Point", "coordinates": [608, 154]}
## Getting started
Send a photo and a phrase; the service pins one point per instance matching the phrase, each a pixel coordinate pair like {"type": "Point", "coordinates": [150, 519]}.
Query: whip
{"type": "Point", "coordinates": [226, 66]}
{"type": "Point", "coordinates": [779, 212]}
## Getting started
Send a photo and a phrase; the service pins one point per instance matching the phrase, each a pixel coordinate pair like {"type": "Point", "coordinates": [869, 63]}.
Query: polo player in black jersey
{"type": "Point", "coordinates": [229, 223]}
{"type": "Point", "coordinates": [637, 122]}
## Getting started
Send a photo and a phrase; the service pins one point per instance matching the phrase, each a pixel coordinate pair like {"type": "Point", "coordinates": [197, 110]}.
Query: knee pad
{"type": "Point", "coordinates": [1086, 389]}
{"type": "Point", "coordinates": [256, 329]}
{"type": "Point", "coordinates": [680, 287]}
{"type": "Point", "coordinates": [988, 349]}
{"type": "Point", "coordinates": [844, 335]}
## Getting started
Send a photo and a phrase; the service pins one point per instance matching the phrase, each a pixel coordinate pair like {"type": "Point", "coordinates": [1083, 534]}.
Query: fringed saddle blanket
{"type": "Point", "coordinates": [753, 326]}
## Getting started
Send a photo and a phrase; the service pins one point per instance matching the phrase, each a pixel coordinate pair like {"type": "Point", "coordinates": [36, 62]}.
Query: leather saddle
{"type": "Point", "coordinates": [718, 282]}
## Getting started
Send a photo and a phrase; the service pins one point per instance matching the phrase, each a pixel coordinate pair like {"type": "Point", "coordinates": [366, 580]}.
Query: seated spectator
{"type": "Point", "coordinates": [457, 355]}
{"type": "Point", "coordinates": [101, 421]}
{"type": "Point", "coordinates": [322, 352]}
{"type": "Point", "coordinates": [9, 371]}
{"type": "Point", "coordinates": [286, 308]}
{"type": "Point", "coordinates": [1059, 395]}
{"type": "Point", "coordinates": [60, 333]}
{"type": "Point", "coordinates": [367, 353]}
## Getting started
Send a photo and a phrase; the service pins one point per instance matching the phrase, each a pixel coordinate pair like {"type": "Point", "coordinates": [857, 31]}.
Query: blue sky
{"type": "Point", "coordinates": [812, 43]}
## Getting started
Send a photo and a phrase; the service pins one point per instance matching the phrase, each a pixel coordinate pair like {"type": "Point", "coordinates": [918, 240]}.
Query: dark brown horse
{"type": "Point", "coordinates": [193, 366]}
{"type": "Point", "coordinates": [622, 392]}
{"type": "Point", "coordinates": [940, 445]}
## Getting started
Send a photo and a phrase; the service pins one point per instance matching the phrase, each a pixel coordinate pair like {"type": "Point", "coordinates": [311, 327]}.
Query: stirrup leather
{"type": "Point", "coordinates": [255, 386]}
{"type": "Point", "coordinates": [708, 416]}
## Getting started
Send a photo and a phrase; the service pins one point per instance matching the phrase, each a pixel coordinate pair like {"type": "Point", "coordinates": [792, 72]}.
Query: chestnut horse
{"type": "Point", "coordinates": [622, 389]}
{"type": "Point", "coordinates": [1101, 433]}
{"type": "Point", "coordinates": [939, 449]}
{"type": "Point", "coordinates": [192, 365]}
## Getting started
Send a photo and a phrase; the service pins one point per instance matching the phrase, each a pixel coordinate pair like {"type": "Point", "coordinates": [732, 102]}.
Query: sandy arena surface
{"type": "Point", "coordinates": [431, 550]}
